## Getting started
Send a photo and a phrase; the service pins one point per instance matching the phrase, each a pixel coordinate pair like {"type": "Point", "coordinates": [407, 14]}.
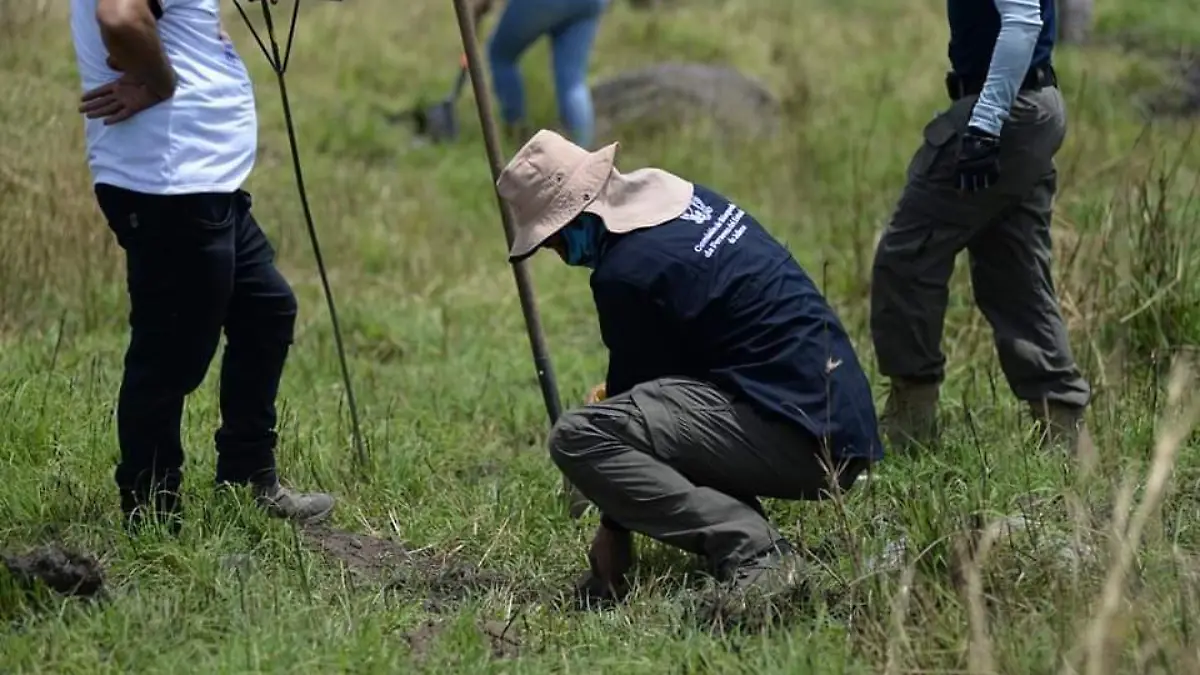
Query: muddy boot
{"type": "Point", "coordinates": [909, 417]}
{"type": "Point", "coordinates": [1062, 427]}
{"type": "Point", "coordinates": [773, 571]}
{"type": "Point", "coordinates": [757, 588]}
{"type": "Point", "coordinates": [281, 502]}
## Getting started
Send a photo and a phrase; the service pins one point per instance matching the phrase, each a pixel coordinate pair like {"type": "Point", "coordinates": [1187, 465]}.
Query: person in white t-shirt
{"type": "Point", "coordinates": [171, 136]}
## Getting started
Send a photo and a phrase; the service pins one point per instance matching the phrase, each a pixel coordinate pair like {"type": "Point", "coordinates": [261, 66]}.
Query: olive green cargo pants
{"type": "Point", "coordinates": [1006, 231]}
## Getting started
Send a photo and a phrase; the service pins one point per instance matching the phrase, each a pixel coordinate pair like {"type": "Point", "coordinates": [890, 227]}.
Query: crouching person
{"type": "Point", "coordinates": [729, 379]}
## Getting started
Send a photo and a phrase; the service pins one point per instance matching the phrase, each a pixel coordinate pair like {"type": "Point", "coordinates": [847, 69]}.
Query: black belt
{"type": "Point", "coordinates": [1039, 76]}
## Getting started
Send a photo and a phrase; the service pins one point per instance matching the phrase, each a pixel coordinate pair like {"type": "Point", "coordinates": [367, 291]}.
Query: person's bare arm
{"type": "Point", "coordinates": [128, 30]}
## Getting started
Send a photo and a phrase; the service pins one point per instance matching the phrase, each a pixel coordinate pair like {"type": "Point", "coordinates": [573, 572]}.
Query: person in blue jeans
{"type": "Point", "coordinates": [571, 26]}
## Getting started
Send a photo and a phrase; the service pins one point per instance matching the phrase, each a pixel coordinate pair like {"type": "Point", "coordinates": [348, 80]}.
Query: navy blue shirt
{"type": "Point", "coordinates": [713, 297]}
{"type": "Point", "coordinates": [974, 26]}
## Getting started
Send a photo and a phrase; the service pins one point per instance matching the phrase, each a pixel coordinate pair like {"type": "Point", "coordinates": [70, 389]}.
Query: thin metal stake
{"type": "Point", "coordinates": [533, 323]}
{"type": "Point", "coordinates": [279, 65]}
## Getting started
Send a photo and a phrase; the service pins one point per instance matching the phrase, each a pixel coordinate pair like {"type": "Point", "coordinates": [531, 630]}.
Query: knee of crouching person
{"type": "Point", "coordinates": [570, 438]}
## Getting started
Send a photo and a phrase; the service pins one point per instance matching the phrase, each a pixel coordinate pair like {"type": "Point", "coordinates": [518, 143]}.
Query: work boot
{"type": "Point", "coordinates": [773, 571]}
{"type": "Point", "coordinates": [281, 502]}
{"type": "Point", "coordinates": [756, 589]}
{"type": "Point", "coordinates": [909, 417]}
{"type": "Point", "coordinates": [1063, 428]}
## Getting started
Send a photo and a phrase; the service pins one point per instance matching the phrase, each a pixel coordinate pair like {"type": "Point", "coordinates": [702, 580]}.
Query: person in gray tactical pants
{"type": "Point", "coordinates": [730, 377]}
{"type": "Point", "coordinates": [984, 180]}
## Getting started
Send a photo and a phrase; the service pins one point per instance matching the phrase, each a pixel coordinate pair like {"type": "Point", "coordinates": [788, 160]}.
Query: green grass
{"type": "Point", "coordinates": [449, 397]}
{"type": "Point", "coordinates": [1168, 23]}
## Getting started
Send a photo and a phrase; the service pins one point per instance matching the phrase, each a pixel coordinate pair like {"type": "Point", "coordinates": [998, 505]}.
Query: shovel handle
{"type": "Point", "coordinates": [462, 77]}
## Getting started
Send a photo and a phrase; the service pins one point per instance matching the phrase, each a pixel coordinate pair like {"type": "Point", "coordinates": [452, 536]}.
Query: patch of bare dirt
{"type": "Point", "coordinates": [502, 639]}
{"type": "Point", "coordinates": [362, 554]}
{"type": "Point", "coordinates": [66, 572]}
{"type": "Point", "coordinates": [442, 578]}
{"type": "Point", "coordinates": [422, 638]}
{"type": "Point", "coordinates": [506, 644]}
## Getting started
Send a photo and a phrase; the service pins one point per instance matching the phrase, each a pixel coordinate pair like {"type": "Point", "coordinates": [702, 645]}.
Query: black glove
{"type": "Point", "coordinates": [978, 160]}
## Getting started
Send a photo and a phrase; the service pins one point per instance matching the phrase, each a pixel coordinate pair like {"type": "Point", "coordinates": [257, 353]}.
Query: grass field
{"type": "Point", "coordinates": [1104, 578]}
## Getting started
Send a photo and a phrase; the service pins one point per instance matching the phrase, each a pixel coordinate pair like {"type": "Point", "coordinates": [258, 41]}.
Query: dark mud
{"type": "Point", "coordinates": [63, 571]}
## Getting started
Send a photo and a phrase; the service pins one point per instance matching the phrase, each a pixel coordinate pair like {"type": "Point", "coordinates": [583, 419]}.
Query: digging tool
{"type": "Point", "coordinates": [533, 323]}
{"type": "Point", "coordinates": [438, 122]}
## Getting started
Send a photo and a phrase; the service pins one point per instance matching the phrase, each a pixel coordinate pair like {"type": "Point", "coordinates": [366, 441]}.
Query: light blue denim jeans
{"type": "Point", "coordinates": [571, 26]}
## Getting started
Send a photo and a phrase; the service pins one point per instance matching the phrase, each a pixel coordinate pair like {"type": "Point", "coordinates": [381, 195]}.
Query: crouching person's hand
{"type": "Point", "coordinates": [610, 559]}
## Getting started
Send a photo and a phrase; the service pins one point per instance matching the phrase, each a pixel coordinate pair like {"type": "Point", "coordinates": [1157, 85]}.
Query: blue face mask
{"type": "Point", "coordinates": [582, 237]}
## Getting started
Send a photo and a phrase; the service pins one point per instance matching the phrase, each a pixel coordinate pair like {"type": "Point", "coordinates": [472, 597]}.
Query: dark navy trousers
{"type": "Point", "coordinates": [197, 265]}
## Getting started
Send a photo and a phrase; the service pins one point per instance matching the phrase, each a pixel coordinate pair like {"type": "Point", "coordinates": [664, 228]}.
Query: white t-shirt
{"type": "Point", "coordinates": [203, 139]}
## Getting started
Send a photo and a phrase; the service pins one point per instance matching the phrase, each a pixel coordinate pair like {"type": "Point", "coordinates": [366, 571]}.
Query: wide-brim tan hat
{"type": "Point", "coordinates": [551, 180]}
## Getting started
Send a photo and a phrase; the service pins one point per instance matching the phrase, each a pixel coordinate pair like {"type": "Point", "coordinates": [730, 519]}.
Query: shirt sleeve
{"type": "Point", "coordinates": [1020, 24]}
{"type": "Point", "coordinates": [633, 326]}
{"type": "Point", "coordinates": [636, 329]}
